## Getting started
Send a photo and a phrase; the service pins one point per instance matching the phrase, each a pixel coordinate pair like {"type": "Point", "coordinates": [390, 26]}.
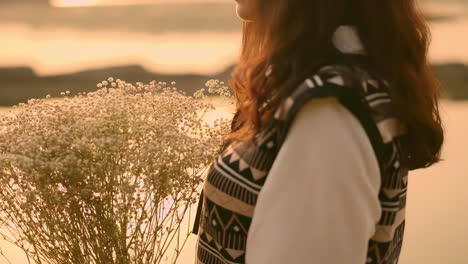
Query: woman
{"type": "Point", "coordinates": [336, 102]}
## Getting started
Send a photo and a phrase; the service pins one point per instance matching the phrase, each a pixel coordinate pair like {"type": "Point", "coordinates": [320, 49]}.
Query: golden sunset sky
{"type": "Point", "coordinates": [71, 3]}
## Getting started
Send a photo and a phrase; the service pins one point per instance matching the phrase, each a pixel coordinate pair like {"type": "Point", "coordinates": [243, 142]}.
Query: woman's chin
{"type": "Point", "coordinates": [242, 14]}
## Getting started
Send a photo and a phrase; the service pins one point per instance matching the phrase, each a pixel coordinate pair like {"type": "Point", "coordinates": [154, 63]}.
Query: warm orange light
{"type": "Point", "coordinates": [65, 3]}
{"type": "Point", "coordinates": [72, 3]}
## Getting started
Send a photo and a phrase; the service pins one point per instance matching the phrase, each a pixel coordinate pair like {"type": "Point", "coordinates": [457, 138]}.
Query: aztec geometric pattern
{"type": "Point", "coordinates": [237, 175]}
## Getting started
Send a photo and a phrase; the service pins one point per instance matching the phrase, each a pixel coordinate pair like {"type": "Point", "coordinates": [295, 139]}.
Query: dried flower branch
{"type": "Point", "coordinates": [107, 176]}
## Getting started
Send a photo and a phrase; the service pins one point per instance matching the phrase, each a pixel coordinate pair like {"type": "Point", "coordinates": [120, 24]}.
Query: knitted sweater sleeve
{"type": "Point", "coordinates": [319, 203]}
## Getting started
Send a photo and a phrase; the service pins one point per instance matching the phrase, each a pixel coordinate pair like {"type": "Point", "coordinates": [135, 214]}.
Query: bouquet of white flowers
{"type": "Point", "coordinates": [105, 177]}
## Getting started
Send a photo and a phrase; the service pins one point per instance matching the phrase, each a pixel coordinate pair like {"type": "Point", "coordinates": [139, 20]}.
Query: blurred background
{"type": "Point", "coordinates": [51, 46]}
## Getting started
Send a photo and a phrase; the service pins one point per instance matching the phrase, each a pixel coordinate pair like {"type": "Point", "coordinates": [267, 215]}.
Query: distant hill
{"type": "Point", "coordinates": [454, 79]}
{"type": "Point", "coordinates": [20, 84]}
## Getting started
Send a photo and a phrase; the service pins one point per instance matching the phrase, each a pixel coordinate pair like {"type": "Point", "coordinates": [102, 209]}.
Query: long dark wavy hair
{"type": "Point", "coordinates": [295, 36]}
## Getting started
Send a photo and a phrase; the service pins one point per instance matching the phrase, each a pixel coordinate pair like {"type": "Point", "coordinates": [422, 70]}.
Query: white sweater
{"type": "Point", "coordinates": [321, 194]}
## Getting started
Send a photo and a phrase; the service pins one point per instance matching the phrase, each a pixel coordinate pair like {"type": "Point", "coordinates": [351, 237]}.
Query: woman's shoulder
{"type": "Point", "coordinates": [365, 96]}
{"type": "Point", "coordinates": [353, 86]}
{"type": "Point", "coordinates": [353, 76]}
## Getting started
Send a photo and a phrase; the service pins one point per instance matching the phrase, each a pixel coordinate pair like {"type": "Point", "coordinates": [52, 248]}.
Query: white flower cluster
{"type": "Point", "coordinates": [214, 87]}
{"type": "Point", "coordinates": [84, 179]}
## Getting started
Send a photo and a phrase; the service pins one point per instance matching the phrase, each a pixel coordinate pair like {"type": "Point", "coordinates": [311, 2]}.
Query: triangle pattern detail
{"type": "Point", "coordinates": [373, 83]}
{"type": "Point", "coordinates": [338, 80]}
{"type": "Point", "coordinates": [218, 246]}
{"type": "Point", "coordinates": [391, 193]}
{"type": "Point", "coordinates": [405, 180]}
{"type": "Point", "coordinates": [257, 174]}
{"type": "Point", "coordinates": [243, 165]}
{"type": "Point", "coordinates": [234, 252]}
{"type": "Point", "coordinates": [234, 157]}
{"type": "Point", "coordinates": [208, 237]}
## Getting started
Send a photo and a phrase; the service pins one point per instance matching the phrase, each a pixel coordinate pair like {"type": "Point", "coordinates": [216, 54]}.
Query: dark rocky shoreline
{"type": "Point", "coordinates": [20, 84]}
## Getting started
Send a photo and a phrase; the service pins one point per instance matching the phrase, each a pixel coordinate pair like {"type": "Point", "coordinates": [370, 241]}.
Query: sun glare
{"type": "Point", "coordinates": [74, 3]}
{"type": "Point", "coordinates": [65, 3]}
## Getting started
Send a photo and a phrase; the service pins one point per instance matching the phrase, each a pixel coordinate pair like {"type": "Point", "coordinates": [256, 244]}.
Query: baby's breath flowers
{"type": "Point", "coordinates": [107, 176]}
{"type": "Point", "coordinates": [214, 87]}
